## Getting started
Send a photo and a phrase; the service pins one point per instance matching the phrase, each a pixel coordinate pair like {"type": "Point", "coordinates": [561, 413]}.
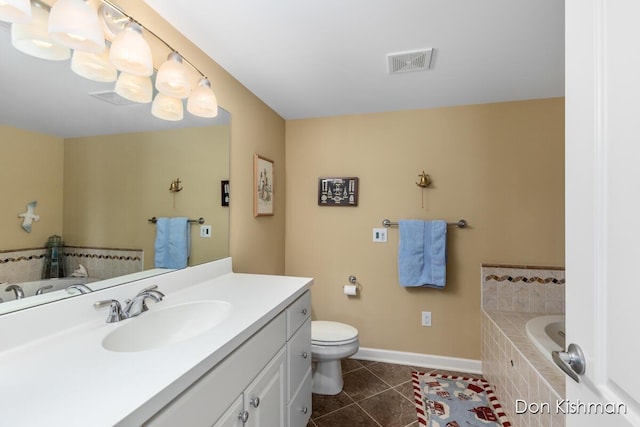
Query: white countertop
{"type": "Point", "coordinates": [68, 378]}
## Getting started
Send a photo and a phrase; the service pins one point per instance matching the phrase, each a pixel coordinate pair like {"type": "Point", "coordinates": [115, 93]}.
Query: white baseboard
{"type": "Point", "coordinates": [420, 360]}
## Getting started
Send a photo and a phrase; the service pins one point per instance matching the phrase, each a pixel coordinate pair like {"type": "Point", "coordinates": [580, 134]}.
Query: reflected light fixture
{"type": "Point", "coordinates": [33, 38]}
{"type": "Point", "coordinates": [75, 24]}
{"type": "Point", "coordinates": [167, 108]}
{"type": "Point", "coordinates": [134, 88]}
{"type": "Point", "coordinates": [93, 66]}
{"type": "Point", "coordinates": [172, 79]}
{"type": "Point", "coordinates": [130, 52]}
{"type": "Point", "coordinates": [15, 11]}
{"type": "Point", "coordinates": [202, 101]}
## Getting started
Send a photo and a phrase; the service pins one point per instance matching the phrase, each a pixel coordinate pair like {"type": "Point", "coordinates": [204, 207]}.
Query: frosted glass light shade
{"type": "Point", "coordinates": [134, 88]}
{"type": "Point", "coordinates": [130, 52]}
{"type": "Point", "coordinates": [33, 38]}
{"type": "Point", "coordinates": [167, 108]}
{"type": "Point", "coordinates": [15, 11]}
{"type": "Point", "coordinates": [75, 24]}
{"type": "Point", "coordinates": [171, 79]}
{"type": "Point", "coordinates": [93, 66]}
{"type": "Point", "coordinates": [202, 101]}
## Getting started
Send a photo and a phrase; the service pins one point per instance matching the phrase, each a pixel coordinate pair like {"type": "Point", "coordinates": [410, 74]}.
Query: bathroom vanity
{"type": "Point", "coordinates": [221, 349]}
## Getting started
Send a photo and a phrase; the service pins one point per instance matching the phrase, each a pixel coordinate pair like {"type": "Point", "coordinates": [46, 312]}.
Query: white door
{"type": "Point", "coordinates": [603, 209]}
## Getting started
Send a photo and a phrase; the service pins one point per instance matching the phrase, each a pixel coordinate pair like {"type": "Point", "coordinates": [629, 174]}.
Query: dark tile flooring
{"type": "Point", "coordinates": [375, 394]}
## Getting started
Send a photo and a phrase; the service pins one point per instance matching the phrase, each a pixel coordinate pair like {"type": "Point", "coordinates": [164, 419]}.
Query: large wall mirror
{"type": "Point", "coordinates": [98, 169]}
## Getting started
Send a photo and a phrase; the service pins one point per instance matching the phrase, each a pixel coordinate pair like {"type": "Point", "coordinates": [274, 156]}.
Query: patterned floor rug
{"type": "Point", "coordinates": [453, 401]}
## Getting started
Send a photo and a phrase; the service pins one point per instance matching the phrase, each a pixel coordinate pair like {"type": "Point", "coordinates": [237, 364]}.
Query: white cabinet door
{"type": "Point", "coordinates": [265, 398]}
{"type": "Point", "coordinates": [602, 207]}
{"type": "Point", "coordinates": [233, 416]}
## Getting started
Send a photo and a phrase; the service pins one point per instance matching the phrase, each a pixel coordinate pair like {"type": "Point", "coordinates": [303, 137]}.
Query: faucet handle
{"type": "Point", "coordinates": [153, 290]}
{"type": "Point", "coordinates": [115, 310]}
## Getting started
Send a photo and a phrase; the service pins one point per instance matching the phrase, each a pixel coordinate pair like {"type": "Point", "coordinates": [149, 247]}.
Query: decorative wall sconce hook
{"type": "Point", "coordinates": [175, 186]}
{"type": "Point", "coordinates": [424, 180]}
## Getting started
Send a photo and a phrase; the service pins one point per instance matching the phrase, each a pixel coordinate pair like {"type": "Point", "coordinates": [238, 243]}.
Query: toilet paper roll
{"type": "Point", "coordinates": [350, 289]}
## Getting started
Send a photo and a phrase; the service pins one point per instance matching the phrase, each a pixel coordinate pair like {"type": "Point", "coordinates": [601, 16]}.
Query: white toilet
{"type": "Point", "coordinates": [331, 342]}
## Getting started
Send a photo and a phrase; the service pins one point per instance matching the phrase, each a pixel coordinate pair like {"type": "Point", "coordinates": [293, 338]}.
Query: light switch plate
{"type": "Point", "coordinates": [205, 231]}
{"type": "Point", "coordinates": [380, 235]}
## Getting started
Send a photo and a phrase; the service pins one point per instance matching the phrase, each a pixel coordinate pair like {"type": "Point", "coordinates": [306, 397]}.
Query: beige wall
{"type": "Point", "coordinates": [499, 166]}
{"type": "Point", "coordinates": [257, 244]}
{"type": "Point", "coordinates": [30, 169]}
{"type": "Point", "coordinates": [114, 183]}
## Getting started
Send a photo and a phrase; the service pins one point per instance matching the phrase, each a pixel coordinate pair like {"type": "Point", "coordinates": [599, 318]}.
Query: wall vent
{"type": "Point", "coordinates": [404, 62]}
{"type": "Point", "coordinates": [111, 97]}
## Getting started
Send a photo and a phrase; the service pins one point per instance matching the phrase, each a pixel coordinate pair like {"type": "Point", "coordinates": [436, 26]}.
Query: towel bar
{"type": "Point", "coordinates": [192, 221]}
{"type": "Point", "coordinates": [460, 224]}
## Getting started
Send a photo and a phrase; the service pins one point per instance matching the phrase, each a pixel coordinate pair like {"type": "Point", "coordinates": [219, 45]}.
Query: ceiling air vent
{"type": "Point", "coordinates": [404, 62]}
{"type": "Point", "coordinates": [111, 97]}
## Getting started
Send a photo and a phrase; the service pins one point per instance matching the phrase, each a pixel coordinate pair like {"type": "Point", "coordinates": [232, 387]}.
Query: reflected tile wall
{"type": "Point", "coordinates": [27, 264]}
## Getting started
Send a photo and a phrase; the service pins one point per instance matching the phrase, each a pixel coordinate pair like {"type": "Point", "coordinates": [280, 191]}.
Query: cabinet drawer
{"type": "Point", "coordinates": [299, 356]}
{"type": "Point", "coordinates": [300, 405]}
{"type": "Point", "coordinates": [298, 312]}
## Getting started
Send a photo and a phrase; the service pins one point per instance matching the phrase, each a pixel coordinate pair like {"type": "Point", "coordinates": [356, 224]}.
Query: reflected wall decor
{"type": "Point", "coordinates": [338, 191]}
{"type": "Point", "coordinates": [262, 186]}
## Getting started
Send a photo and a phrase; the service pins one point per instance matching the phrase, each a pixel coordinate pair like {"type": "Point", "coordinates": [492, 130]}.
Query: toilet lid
{"type": "Point", "coordinates": [323, 331]}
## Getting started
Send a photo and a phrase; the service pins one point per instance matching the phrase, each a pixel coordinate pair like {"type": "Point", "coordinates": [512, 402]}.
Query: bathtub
{"type": "Point", "coordinates": [547, 334]}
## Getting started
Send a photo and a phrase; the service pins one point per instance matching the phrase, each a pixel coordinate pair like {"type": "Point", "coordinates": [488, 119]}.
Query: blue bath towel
{"type": "Point", "coordinates": [172, 245]}
{"type": "Point", "coordinates": [422, 253]}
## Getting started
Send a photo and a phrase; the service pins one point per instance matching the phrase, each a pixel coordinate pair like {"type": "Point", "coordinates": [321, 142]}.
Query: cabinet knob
{"type": "Point", "coordinates": [243, 416]}
{"type": "Point", "coordinates": [304, 311]}
{"type": "Point", "coordinates": [304, 354]}
{"type": "Point", "coordinates": [304, 409]}
{"type": "Point", "coordinates": [255, 402]}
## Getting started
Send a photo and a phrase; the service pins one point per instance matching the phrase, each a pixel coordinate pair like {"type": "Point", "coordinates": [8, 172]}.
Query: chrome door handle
{"type": "Point", "coordinates": [255, 402]}
{"type": "Point", "coordinates": [243, 416]}
{"type": "Point", "coordinates": [571, 362]}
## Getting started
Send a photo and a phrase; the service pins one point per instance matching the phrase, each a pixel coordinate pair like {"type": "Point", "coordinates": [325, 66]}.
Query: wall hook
{"type": "Point", "coordinates": [424, 180]}
{"type": "Point", "coordinates": [175, 186]}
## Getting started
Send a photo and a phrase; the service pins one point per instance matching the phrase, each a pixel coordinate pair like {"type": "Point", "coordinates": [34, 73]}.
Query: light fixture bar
{"type": "Point", "coordinates": [120, 10]}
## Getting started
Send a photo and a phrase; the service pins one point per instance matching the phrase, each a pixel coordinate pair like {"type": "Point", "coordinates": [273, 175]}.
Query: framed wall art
{"type": "Point", "coordinates": [338, 191]}
{"type": "Point", "coordinates": [263, 188]}
{"type": "Point", "coordinates": [224, 193]}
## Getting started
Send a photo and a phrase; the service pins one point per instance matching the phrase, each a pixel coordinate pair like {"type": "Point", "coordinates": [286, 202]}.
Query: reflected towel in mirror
{"type": "Point", "coordinates": [173, 243]}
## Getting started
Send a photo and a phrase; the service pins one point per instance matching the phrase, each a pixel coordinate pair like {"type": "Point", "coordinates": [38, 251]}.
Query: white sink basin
{"type": "Point", "coordinates": [166, 326]}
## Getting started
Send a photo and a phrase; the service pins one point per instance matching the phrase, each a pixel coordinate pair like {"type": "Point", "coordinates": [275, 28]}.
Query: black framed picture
{"type": "Point", "coordinates": [338, 191]}
{"type": "Point", "coordinates": [224, 193]}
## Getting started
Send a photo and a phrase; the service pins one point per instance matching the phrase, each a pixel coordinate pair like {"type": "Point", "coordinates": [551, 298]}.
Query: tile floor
{"type": "Point", "coordinates": [375, 394]}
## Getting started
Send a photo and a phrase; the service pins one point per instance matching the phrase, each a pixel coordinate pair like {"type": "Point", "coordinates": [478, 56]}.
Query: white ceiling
{"type": "Point", "coordinates": [323, 58]}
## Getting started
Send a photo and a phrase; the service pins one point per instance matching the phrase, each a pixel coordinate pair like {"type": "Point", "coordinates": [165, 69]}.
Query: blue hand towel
{"type": "Point", "coordinates": [422, 253]}
{"type": "Point", "coordinates": [172, 242]}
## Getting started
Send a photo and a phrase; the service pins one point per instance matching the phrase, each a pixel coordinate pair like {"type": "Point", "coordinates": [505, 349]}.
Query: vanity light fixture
{"type": "Point", "coordinates": [15, 11]}
{"type": "Point", "coordinates": [203, 102]}
{"type": "Point", "coordinates": [171, 79]}
{"type": "Point", "coordinates": [75, 24]}
{"type": "Point", "coordinates": [130, 52]}
{"type": "Point", "coordinates": [134, 88]}
{"type": "Point", "coordinates": [167, 108]}
{"type": "Point", "coordinates": [33, 37]}
{"type": "Point", "coordinates": [93, 66]}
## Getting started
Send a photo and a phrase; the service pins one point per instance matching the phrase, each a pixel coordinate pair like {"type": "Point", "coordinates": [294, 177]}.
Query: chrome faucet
{"type": "Point", "coordinates": [41, 290]}
{"type": "Point", "coordinates": [84, 289]}
{"type": "Point", "coordinates": [16, 289]}
{"type": "Point", "coordinates": [133, 307]}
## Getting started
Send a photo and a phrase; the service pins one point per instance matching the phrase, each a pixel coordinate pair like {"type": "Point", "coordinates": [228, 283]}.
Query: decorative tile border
{"type": "Point", "coordinates": [524, 290]}
{"type": "Point", "coordinates": [26, 265]}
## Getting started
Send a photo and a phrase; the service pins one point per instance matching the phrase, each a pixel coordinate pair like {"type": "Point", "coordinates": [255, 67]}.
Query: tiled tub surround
{"type": "Point", "coordinates": [26, 265]}
{"type": "Point", "coordinates": [510, 362]}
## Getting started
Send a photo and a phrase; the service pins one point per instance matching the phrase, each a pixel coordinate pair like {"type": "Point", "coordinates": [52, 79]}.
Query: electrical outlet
{"type": "Point", "coordinates": [205, 231]}
{"type": "Point", "coordinates": [426, 318]}
{"type": "Point", "coordinates": [380, 235]}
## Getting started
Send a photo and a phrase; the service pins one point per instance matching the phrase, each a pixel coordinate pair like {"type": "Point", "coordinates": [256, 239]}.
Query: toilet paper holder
{"type": "Point", "coordinates": [353, 288]}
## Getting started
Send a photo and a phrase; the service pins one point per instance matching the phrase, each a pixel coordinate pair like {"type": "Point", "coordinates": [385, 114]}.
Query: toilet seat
{"type": "Point", "coordinates": [327, 333]}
